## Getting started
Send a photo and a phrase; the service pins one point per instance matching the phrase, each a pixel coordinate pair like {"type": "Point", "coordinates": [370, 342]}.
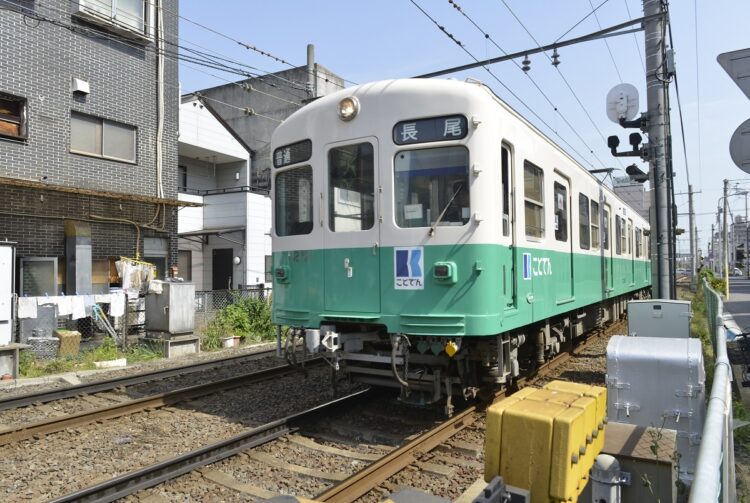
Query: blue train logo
{"type": "Point", "coordinates": [409, 268]}
{"type": "Point", "coordinates": [536, 266]}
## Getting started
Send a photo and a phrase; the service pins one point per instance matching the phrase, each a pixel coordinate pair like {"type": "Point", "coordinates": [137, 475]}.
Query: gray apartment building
{"type": "Point", "coordinates": [88, 134]}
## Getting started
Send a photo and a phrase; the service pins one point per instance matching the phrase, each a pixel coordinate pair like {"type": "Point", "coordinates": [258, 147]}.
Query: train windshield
{"type": "Point", "coordinates": [294, 202]}
{"type": "Point", "coordinates": [431, 182]}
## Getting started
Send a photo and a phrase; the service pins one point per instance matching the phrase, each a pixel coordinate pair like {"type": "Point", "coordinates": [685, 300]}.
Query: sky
{"type": "Point", "coordinates": [364, 41]}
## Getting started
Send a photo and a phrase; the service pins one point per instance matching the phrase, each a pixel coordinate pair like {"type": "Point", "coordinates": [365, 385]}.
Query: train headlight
{"type": "Point", "coordinates": [348, 108]}
{"type": "Point", "coordinates": [445, 273]}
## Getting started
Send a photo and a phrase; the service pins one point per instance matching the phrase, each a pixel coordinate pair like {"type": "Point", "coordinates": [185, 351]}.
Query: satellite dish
{"type": "Point", "coordinates": [622, 103]}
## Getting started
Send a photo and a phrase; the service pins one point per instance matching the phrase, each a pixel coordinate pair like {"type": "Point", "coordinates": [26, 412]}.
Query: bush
{"type": "Point", "coordinates": [247, 317]}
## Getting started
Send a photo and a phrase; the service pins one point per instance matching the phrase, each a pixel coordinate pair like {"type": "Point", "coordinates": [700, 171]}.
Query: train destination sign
{"type": "Point", "coordinates": [292, 154]}
{"type": "Point", "coordinates": [452, 127]}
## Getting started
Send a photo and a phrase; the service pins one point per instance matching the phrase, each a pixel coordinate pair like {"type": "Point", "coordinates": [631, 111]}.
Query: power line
{"type": "Point", "coordinates": [202, 59]}
{"type": "Point", "coordinates": [606, 42]}
{"type": "Point", "coordinates": [635, 39]}
{"type": "Point", "coordinates": [460, 44]}
{"type": "Point", "coordinates": [562, 76]}
{"type": "Point", "coordinates": [679, 108]}
{"type": "Point", "coordinates": [697, 84]}
{"type": "Point", "coordinates": [487, 36]}
{"type": "Point", "coordinates": [581, 21]}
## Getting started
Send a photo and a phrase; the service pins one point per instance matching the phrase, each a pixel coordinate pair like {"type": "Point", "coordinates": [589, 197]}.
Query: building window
{"type": "Point", "coordinates": [533, 191]}
{"type": "Point", "coordinates": [101, 138]}
{"type": "Point", "coordinates": [594, 224]}
{"type": "Point", "coordinates": [127, 15]}
{"type": "Point", "coordinates": [584, 221]}
{"type": "Point", "coordinates": [182, 178]}
{"type": "Point", "coordinates": [12, 116]}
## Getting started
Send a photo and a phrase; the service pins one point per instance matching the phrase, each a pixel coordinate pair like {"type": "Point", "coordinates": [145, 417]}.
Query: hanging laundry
{"type": "Point", "coordinates": [78, 307]}
{"type": "Point", "coordinates": [27, 307]}
{"type": "Point", "coordinates": [117, 306]}
{"type": "Point", "coordinates": [64, 305]}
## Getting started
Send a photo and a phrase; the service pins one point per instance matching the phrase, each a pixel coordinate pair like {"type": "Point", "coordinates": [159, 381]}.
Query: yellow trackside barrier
{"type": "Point", "coordinates": [544, 440]}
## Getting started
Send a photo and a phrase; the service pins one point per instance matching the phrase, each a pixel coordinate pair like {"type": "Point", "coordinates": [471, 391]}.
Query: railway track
{"type": "Point", "coordinates": [128, 381]}
{"type": "Point", "coordinates": [346, 488]}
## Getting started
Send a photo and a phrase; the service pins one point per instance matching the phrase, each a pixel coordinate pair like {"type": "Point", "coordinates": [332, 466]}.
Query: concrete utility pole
{"type": "Point", "coordinates": [656, 95]}
{"type": "Point", "coordinates": [693, 247]}
{"type": "Point", "coordinates": [726, 241]}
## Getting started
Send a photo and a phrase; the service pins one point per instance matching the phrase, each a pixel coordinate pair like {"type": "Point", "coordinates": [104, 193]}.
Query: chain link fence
{"type": "Point", "coordinates": [208, 303]}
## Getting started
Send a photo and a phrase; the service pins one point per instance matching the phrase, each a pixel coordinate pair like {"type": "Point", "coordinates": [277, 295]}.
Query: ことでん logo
{"type": "Point", "coordinates": [409, 268]}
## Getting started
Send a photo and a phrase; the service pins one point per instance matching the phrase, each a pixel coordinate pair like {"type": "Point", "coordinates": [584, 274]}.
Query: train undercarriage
{"type": "Point", "coordinates": [429, 369]}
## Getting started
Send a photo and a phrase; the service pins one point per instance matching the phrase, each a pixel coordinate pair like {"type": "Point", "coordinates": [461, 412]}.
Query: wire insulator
{"type": "Point", "coordinates": [526, 64]}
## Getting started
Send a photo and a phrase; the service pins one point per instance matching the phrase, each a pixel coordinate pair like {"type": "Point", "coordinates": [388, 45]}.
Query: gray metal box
{"type": "Point", "coordinates": [659, 382]}
{"type": "Point", "coordinates": [659, 318]}
{"type": "Point", "coordinates": [172, 310]}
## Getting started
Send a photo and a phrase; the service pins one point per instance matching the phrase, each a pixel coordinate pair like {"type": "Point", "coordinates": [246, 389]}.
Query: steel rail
{"type": "Point", "coordinates": [150, 476]}
{"type": "Point", "coordinates": [150, 402]}
{"type": "Point", "coordinates": [110, 384]}
{"type": "Point", "coordinates": [369, 477]}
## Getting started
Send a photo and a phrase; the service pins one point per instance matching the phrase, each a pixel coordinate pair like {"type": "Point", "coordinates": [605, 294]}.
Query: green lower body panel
{"type": "Point", "coordinates": [474, 290]}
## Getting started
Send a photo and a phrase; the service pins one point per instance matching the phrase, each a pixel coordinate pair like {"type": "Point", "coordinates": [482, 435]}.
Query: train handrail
{"type": "Point", "coordinates": [714, 472]}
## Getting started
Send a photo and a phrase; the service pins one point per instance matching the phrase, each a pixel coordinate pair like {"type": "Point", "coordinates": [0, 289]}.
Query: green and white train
{"type": "Point", "coordinates": [426, 236]}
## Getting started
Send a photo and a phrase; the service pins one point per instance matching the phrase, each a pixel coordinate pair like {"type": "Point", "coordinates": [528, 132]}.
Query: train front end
{"type": "Point", "coordinates": [388, 252]}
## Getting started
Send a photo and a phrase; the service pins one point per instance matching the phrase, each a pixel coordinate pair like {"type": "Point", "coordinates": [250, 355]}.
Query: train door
{"type": "Point", "coordinates": [352, 232]}
{"type": "Point", "coordinates": [607, 249]}
{"type": "Point", "coordinates": [508, 261]}
{"type": "Point", "coordinates": [563, 264]}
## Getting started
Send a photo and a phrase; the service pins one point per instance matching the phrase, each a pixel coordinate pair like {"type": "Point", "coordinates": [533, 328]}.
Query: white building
{"type": "Point", "coordinates": [225, 244]}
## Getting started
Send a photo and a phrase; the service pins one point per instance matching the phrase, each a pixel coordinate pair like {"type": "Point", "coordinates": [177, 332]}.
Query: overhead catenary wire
{"type": "Point", "coordinates": [91, 31]}
{"type": "Point", "coordinates": [606, 42]}
{"type": "Point", "coordinates": [488, 37]}
{"type": "Point", "coordinates": [562, 76]}
{"type": "Point", "coordinates": [635, 39]}
{"type": "Point", "coordinates": [584, 18]}
{"type": "Point", "coordinates": [521, 101]}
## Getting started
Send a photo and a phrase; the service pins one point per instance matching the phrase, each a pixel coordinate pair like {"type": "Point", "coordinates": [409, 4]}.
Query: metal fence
{"type": "Point", "coordinates": [714, 473]}
{"type": "Point", "coordinates": [208, 303]}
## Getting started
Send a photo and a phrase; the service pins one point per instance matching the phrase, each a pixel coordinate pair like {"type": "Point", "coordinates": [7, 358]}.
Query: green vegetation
{"type": "Point", "coordinates": [30, 366]}
{"type": "Point", "coordinates": [247, 317]}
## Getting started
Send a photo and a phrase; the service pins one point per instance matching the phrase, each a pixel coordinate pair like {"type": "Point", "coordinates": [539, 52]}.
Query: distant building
{"type": "Point", "coordinates": [254, 107]}
{"type": "Point", "coordinates": [88, 138]}
{"type": "Point", "coordinates": [225, 243]}
{"type": "Point", "coordinates": [633, 194]}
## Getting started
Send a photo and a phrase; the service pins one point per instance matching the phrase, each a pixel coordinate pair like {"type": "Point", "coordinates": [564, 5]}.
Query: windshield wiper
{"type": "Point", "coordinates": [431, 232]}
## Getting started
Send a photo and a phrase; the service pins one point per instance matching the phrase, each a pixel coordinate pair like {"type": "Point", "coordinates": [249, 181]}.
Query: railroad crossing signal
{"type": "Point", "coordinates": [737, 65]}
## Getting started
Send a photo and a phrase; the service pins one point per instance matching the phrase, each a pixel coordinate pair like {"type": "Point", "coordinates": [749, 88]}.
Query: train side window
{"type": "Point", "coordinates": [506, 189]}
{"type": "Point", "coordinates": [294, 209]}
{"type": "Point", "coordinates": [561, 212]}
{"type": "Point", "coordinates": [638, 242]}
{"type": "Point", "coordinates": [584, 222]}
{"type": "Point", "coordinates": [351, 188]}
{"type": "Point", "coordinates": [605, 230]}
{"type": "Point", "coordinates": [432, 184]}
{"type": "Point", "coordinates": [594, 225]}
{"type": "Point", "coordinates": [630, 237]}
{"type": "Point", "coordinates": [619, 237]}
{"type": "Point", "coordinates": [533, 191]}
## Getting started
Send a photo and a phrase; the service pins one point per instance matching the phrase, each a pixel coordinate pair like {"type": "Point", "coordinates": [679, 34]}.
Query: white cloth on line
{"type": "Point", "coordinates": [78, 307]}
{"type": "Point", "coordinates": [27, 307]}
{"type": "Point", "coordinates": [46, 300]}
{"type": "Point", "coordinates": [89, 300]}
{"type": "Point", "coordinates": [117, 305]}
{"type": "Point", "coordinates": [64, 305]}
{"type": "Point", "coordinates": [103, 298]}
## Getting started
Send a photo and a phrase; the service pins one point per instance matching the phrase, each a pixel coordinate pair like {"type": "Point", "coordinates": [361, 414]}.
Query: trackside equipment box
{"type": "Point", "coordinates": [545, 440]}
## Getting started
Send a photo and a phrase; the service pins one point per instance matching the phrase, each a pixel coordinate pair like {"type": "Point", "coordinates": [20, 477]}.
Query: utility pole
{"type": "Point", "coordinates": [656, 89]}
{"type": "Point", "coordinates": [712, 246]}
{"type": "Point", "coordinates": [693, 248]}
{"type": "Point", "coordinates": [726, 241]}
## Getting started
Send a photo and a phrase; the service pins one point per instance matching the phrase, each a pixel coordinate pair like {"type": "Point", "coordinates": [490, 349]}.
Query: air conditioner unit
{"type": "Point", "coordinates": [103, 13]}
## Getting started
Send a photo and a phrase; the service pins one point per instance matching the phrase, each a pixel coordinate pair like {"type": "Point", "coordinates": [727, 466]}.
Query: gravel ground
{"type": "Point", "coordinates": [25, 415]}
{"type": "Point", "coordinates": [60, 463]}
{"type": "Point", "coordinates": [16, 389]}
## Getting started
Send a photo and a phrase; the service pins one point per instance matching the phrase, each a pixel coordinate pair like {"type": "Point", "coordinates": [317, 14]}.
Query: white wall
{"type": "Point", "coordinates": [224, 210]}
{"type": "Point", "coordinates": [258, 238]}
{"type": "Point", "coordinates": [190, 218]}
{"type": "Point", "coordinates": [199, 127]}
